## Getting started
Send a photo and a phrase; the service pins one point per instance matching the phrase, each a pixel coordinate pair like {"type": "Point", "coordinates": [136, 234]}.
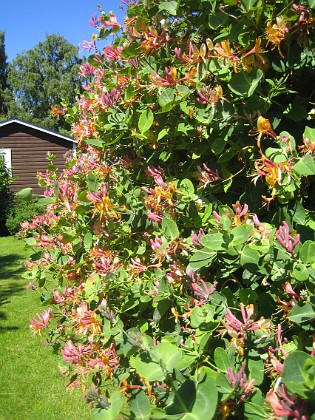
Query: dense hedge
{"type": "Point", "coordinates": [6, 196]}
{"type": "Point", "coordinates": [182, 235]}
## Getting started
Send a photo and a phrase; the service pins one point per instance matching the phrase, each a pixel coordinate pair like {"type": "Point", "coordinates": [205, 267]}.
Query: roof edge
{"type": "Point", "coordinates": [36, 127]}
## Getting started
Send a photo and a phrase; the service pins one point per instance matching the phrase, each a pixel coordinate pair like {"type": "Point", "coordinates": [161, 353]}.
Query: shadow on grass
{"type": "Point", "coordinates": [10, 274]}
{"type": "Point", "coordinates": [9, 266]}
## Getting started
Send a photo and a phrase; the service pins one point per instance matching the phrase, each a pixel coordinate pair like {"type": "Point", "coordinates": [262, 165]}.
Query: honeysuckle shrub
{"type": "Point", "coordinates": [181, 236]}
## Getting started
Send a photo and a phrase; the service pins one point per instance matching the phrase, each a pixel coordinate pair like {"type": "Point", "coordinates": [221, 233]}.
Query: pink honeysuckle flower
{"type": "Point", "coordinates": [286, 240]}
{"type": "Point", "coordinates": [156, 173]}
{"type": "Point", "coordinates": [288, 288]}
{"type": "Point", "coordinates": [137, 265]}
{"type": "Point", "coordinates": [284, 353]}
{"type": "Point", "coordinates": [196, 237]}
{"type": "Point", "coordinates": [216, 216]}
{"type": "Point", "coordinates": [156, 243]}
{"type": "Point", "coordinates": [237, 328]}
{"type": "Point", "coordinates": [57, 299]}
{"type": "Point", "coordinates": [238, 380]}
{"type": "Point", "coordinates": [210, 96]}
{"type": "Point", "coordinates": [104, 261]}
{"type": "Point", "coordinates": [134, 62]}
{"type": "Point", "coordinates": [112, 22]}
{"type": "Point", "coordinates": [73, 354]}
{"type": "Point", "coordinates": [112, 52]}
{"type": "Point", "coordinates": [108, 99]}
{"type": "Point", "coordinates": [86, 70]}
{"type": "Point", "coordinates": [154, 217]}
{"type": "Point", "coordinates": [207, 175]}
{"type": "Point", "coordinates": [170, 77]}
{"type": "Point", "coordinates": [86, 320]}
{"type": "Point", "coordinates": [150, 191]}
{"type": "Point", "coordinates": [285, 406]}
{"type": "Point", "coordinates": [96, 197]}
{"type": "Point", "coordinates": [239, 210]}
{"type": "Point", "coordinates": [257, 221]}
{"type": "Point", "coordinates": [94, 21]}
{"type": "Point", "coordinates": [41, 322]}
{"type": "Point", "coordinates": [202, 291]}
{"type": "Point", "coordinates": [88, 45]}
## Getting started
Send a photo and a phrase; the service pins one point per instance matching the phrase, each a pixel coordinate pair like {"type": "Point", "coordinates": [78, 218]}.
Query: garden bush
{"type": "Point", "coordinates": [20, 212]}
{"type": "Point", "coordinates": [6, 196]}
{"type": "Point", "coordinates": [182, 234]}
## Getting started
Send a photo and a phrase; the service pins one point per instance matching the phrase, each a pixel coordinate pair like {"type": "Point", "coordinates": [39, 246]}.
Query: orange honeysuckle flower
{"type": "Point", "coordinates": [254, 59]}
{"type": "Point", "coordinates": [101, 202]}
{"type": "Point", "coordinates": [277, 32]}
{"type": "Point", "coordinates": [195, 55]}
{"type": "Point", "coordinates": [223, 49]}
{"type": "Point", "coordinates": [273, 172]}
{"type": "Point", "coordinates": [264, 127]}
{"type": "Point", "coordinates": [170, 78]}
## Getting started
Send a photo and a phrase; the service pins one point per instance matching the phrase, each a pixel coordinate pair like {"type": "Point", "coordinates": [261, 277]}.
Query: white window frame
{"type": "Point", "coordinates": [6, 154]}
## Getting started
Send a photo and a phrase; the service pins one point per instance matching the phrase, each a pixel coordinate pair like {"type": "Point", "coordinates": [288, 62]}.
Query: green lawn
{"type": "Point", "coordinates": [30, 386]}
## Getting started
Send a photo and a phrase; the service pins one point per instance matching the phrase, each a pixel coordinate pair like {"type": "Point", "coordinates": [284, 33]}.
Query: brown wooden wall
{"type": "Point", "coordinates": [29, 148]}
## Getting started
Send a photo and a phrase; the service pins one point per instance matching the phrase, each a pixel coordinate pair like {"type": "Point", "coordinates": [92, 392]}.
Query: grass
{"type": "Point", "coordinates": [30, 386]}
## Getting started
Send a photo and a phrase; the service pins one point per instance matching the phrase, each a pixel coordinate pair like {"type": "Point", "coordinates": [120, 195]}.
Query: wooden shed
{"type": "Point", "coordinates": [25, 146]}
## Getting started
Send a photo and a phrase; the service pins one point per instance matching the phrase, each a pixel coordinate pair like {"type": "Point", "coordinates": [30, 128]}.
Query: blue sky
{"type": "Point", "coordinates": [26, 22]}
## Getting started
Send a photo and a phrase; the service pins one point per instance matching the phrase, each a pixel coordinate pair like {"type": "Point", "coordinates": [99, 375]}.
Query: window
{"type": "Point", "coordinates": [6, 155]}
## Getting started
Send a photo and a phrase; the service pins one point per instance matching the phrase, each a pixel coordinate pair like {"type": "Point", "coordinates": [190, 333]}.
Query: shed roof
{"type": "Point", "coordinates": [36, 127]}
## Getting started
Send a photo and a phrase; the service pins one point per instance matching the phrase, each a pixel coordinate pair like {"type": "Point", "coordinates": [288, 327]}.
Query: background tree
{"type": "Point", "coordinates": [3, 74]}
{"type": "Point", "coordinates": [41, 78]}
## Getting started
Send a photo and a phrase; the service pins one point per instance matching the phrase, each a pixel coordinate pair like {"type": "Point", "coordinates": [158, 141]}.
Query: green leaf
{"type": "Point", "coordinates": [202, 258]}
{"type": "Point", "coordinates": [169, 6]}
{"type": "Point", "coordinates": [256, 371]}
{"type": "Point", "coordinates": [201, 315]}
{"type": "Point", "coordinates": [88, 240]}
{"type": "Point", "coordinates": [300, 272]}
{"type": "Point", "coordinates": [130, 50]}
{"type": "Point", "coordinates": [187, 187]}
{"type": "Point", "coordinates": [183, 399]}
{"type": "Point", "coordinates": [305, 166]}
{"type": "Point", "coordinates": [240, 234]}
{"type": "Point", "coordinates": [140, 406]}
{"type": "Point", "coordinates": [245, 84]}
{"type": "Point", "coordinates": [249, 4]}
{"type": "Point", "coordinates": [311, 4]}
{"type": "Point", "coordinates": [295, 375]}
{"type": "Point", "coordinates": [213, 241]}
{"type": "Point", "coordinates": [250, 258]}
{"type": "Point", "coordinates": [299, 213]}
{"type": "Point", "coordinates": [168, 354]}
{"type": "Point", "coordinates": [46, 200]}
{"type": "Point", "coordinates": [114, 409]}
{"type": "Point", "coordinates": [309, 133]}
{"type": "Point", "coordinates": [295, 112]}
{"type": "Point", "coordinates": [307, 252]}
{"type": "Point", "coordinates": [26, 194]}
{"type": "Point", "coordinates": [170, 229]}
{"type": "Point", "coordinates": [148, 368]}
{"type": "Point", "coordinates": [221, 359]}
{"type": "Point", "coordinates": [255, 408]}
{"type": "Point", "coordinates": [302, 312]}
{"type": "Point", "coordinates": [145, 121]}
{"type": "Point", "coordinates": [217, 19]}
{"type": "Point", "coordinates": [196, 398]}
{"type": "Point", "coordinates": [206, 400]}
{"type": "Point", "coordinates": [166, 99]}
